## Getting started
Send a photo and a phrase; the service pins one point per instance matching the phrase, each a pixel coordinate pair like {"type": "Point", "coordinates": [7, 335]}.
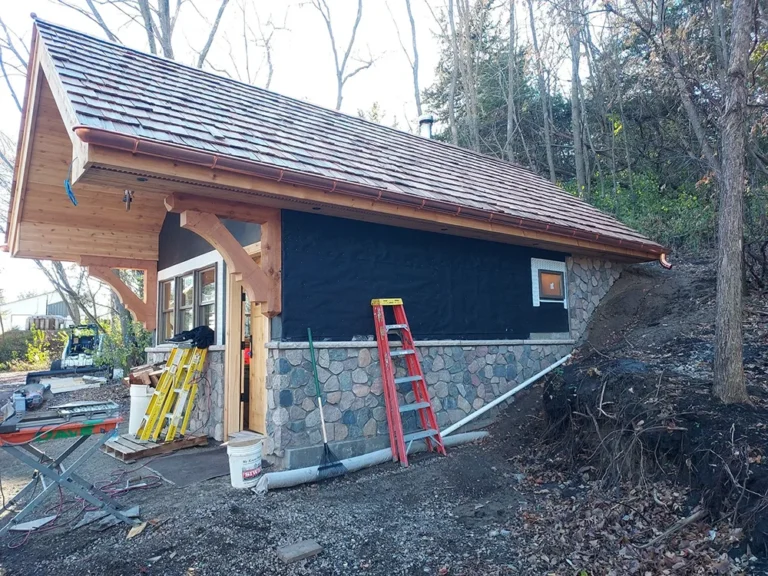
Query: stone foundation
{"type": "Point", "coordinates": [208, 412]}
{"type": "Point", "coordinates": [461, 377]}
{"type": "Point", "coordinates": [589, 279]}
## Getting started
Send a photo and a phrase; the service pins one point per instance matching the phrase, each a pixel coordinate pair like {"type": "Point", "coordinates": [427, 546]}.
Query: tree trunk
{"type": "Point", "coordinates": [543, 97]}
{"type": "Point", "coordinates": [454, 77]}
{"type": "Point", "coordinates": [511, 112]}
{"type": "Point", "coordinates": [729, 384]}
{"type": "Point", "coordinates": [164, 14]}
{"type": "Point", "coordinates": [415, 62]}
{"type": "Point", "coordinates": [574, 39]}
{"type": "Point", "coordinates": [149, 26]}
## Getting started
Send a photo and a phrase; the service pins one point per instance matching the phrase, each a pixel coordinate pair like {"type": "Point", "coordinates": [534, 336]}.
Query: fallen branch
{"type": "Point", "coordinates": [696, 516]}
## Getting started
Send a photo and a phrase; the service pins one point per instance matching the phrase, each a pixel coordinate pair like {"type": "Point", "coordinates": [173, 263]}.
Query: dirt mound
{"type": "Point", "coordinates": [635, 404]}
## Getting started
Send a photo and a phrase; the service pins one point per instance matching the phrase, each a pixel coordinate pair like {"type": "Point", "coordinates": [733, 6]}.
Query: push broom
{"type": "Point", "coordinates": [329, 467]}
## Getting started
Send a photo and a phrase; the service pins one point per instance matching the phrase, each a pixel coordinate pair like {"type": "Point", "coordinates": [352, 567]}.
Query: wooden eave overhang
{"type": "Point", "coordinates": [294, 184]}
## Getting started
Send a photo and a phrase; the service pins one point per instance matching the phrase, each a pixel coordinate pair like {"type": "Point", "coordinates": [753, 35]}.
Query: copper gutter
{"type": "Point", "coordinates": [154, 148]}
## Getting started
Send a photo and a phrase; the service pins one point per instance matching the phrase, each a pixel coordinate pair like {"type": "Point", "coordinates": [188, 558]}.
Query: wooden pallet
{"type": "Point", "coordinates": [127, 449]}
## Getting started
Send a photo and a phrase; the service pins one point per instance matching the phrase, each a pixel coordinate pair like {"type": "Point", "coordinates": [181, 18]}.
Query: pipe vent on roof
{"type": "Point", "coordinates": [425, 125]}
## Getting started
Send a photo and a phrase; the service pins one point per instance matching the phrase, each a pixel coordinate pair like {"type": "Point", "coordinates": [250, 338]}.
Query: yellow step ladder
{"type": "Point", "coordinates": [174, 397]}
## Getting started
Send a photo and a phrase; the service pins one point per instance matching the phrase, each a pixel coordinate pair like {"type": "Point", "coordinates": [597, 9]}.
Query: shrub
{"type": "Point", "coordinates": [124, 349]}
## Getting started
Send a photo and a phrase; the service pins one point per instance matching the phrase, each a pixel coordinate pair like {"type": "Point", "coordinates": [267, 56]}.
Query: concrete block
{"type": "Point", "coordinates": [299, 551]}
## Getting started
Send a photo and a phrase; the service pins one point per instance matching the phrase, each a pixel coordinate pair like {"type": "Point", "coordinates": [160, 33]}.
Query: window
{"type": "Point", "coordinates": [187, 301]}
{"type": "Point", "coordinates": [206, 309]}
{"type": "Point", "coordinates": [551, 285]}
{"type": "Point", "coordinates": [167, 319]}
{"type": "Point", "coordinates": [549, 282]}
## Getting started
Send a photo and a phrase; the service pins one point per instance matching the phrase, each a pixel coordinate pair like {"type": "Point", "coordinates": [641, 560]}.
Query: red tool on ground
{"type": "Point", "coordinates": [429, 432]}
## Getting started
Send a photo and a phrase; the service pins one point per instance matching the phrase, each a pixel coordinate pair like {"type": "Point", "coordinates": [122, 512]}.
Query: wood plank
{"type": "Point", "coordinates": [32, 91]}
{"type": "Point", "coordinates": [120, 264]}
{"type": "Point", "coordinates": [61, 242]}
{"type": "Point", "coordinates": [271, 262]}
{"type": "Point", "coordinates": [232, 376]}
{"type": "Point", "coordinates": [257, 397]}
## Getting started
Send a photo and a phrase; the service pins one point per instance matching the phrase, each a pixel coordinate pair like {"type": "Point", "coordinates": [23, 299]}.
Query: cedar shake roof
{"type": "Point", "coordinates": [131, 93]}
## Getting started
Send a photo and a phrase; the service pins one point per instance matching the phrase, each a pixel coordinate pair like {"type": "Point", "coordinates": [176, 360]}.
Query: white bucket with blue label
{"type": "Point", "coordinates": [244, 462]}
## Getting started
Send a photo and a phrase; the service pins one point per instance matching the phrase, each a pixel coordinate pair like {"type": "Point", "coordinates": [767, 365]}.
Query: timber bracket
{"type": "Point", "coordinates": [142, 309]}
{"type": "Point", "coordinates": [201, 215]}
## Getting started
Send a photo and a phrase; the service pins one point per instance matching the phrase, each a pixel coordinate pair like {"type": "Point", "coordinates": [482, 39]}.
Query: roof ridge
{"type": "Point", "coordinates": [429, 141]}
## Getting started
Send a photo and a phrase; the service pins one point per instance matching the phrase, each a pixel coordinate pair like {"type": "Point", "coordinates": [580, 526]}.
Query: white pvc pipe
{"type": "Point", "coordinates": [501, 398]}
{"type": "Point", "coordinates": [289, 478]}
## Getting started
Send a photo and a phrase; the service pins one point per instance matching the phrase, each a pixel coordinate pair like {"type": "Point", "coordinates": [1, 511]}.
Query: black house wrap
{"type": "Point", "coordinates": [452, 287]}
{"type": "Point", "coordinates": [178, 245]}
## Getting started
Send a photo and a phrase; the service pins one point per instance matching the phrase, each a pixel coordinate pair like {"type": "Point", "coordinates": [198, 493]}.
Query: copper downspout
{"type": "Point", "coordinates": [665, 263]}
{"type": "Point", "coordinates": [209, 160]}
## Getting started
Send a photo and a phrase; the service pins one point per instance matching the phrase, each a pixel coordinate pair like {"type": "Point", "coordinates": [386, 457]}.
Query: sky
{"type": "Point", "coordinates": [302, 55]}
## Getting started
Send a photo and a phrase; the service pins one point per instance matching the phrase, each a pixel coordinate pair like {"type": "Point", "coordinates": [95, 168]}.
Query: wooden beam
{"type": "Point", "coordinates": [271, 261]}
{"type": "Point", "coordinates": [256, 283]}
{"type": "Point", "coordinates": [143, 311]}
{"type": "Point", "coordinates": [29, 120]}
{"type": "Point", "coordinates": [241, 211]}
{"type": "Point", "coordinates": [118, 263]}
{"type": "Point", "coordinates": [234, 358]}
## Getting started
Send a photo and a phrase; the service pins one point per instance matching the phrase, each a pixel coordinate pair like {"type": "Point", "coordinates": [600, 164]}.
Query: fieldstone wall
{"type": "Point", "coordinates": [460, 379]}
{"type": "Point", "coordinates": [589, 279]}
{"type": "Point", "coordinates": [208, 412]}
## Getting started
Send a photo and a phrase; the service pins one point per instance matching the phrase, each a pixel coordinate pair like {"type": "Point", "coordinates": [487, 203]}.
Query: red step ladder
{"type": "Point", "coordinates": [429, 432]}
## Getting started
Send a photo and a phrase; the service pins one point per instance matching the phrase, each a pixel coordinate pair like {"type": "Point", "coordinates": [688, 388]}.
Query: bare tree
{"type": "Point", "coordinates": [543, 96]}
{"type": "Point", "coordinates": [158, 21]}
{"type": "Point", "coordinates": [454, 75]}
{"type": "Point", "coordinates": [574, 42]}
{"type": "Point", "coordinates": [513, 122]}
{"type": "Point", "coordinates": [471, 18]}
{"type": "Point", "coordinates": [261, 37]}
{"type": "Point", "coordinates": [413, 61]}
{"type": "Point", "coordinates": [729, 384]}
{"type": "Point", "coordinates": [729, 136]}
{"type": "Point", "coordinates": [343, 73]}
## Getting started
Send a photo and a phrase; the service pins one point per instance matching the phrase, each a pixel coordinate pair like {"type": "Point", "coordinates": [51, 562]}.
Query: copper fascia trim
{"type": "Point", "coordinates": [135, 145]}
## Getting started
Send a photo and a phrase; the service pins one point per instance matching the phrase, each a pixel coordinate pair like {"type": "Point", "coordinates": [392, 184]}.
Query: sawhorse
{"type": "Point", "coordinates": [19, 445]}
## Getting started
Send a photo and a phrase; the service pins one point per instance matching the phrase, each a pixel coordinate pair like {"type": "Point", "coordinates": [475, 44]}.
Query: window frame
{"type": "Point", "coordinates": [198, 294]}
{"type": "Point", "coordinates": [164, 311]}
{"type": "Point", "coordinates": [549, 298]}
{"type": "Point", "coordinates": [553, 266]}
{"type": "Point", "coordinates": [195, 306]}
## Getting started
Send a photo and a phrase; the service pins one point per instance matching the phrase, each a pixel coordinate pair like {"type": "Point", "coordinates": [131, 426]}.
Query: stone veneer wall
{"type": "Point", "coordinates": [589, 279]}
{"type": "Point", "coordinates": [462, 376]}
{"type": "Point", "coordinates": [208, 412]}
{"type": "Point", "coordinates": [460, 379]}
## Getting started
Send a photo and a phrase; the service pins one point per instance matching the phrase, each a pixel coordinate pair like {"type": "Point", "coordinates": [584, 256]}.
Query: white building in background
{"type": "Point", "coordinates": [47, 311]}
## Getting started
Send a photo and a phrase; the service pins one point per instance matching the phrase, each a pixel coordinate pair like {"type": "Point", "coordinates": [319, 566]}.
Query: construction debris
{"type": "Point", "coordinates": [299, 551]}
{"type": "Point", "coordinates": [146, 374]}
{"type": "Point", "coordinates": [72, 383]}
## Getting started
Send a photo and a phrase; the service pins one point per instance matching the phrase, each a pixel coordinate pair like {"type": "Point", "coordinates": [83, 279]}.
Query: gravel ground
{"type": "Point", "coordinates": [438, 513]}
{"type": "Point", "coordinates": [499, 506]}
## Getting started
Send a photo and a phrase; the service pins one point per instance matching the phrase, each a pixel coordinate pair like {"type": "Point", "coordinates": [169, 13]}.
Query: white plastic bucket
{"type": "Point", "coordinates": [140, 397]}
{"type": "Point", "coordinates": [244, 462]}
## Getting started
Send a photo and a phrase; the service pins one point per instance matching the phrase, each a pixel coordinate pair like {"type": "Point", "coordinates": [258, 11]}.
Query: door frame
{"type": "Point", "coordinates": [233, 380]}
